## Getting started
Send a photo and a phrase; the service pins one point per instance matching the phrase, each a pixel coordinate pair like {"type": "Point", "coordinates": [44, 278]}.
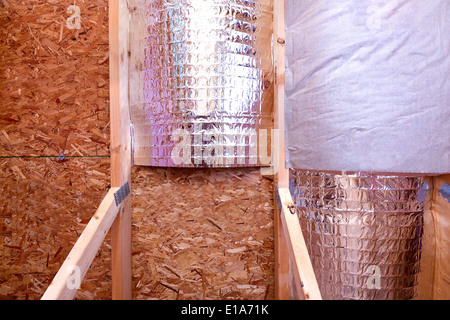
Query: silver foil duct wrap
{"type": "Point", "coordinates": [201, 81]}
{"type": "Point", "coordinates": [363, 232]}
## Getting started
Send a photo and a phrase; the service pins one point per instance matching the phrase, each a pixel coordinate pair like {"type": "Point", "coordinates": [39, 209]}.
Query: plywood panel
{"type": "Point", "coordinates": [44, 207]}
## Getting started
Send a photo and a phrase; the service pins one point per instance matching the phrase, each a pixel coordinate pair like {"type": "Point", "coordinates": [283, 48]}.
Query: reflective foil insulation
{"type": "Point", "coordinates": [363, 232]}
{"type": "Point", "coordinates": [201, 81]}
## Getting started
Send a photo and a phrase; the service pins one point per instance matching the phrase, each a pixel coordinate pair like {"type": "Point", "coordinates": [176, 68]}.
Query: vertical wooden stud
{"type": "Point", "coordinates": [120, 146]}
{"type": "Point", "coordinates": [282, 175]}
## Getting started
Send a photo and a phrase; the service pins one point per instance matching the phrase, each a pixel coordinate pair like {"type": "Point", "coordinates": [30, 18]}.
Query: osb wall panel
{"type": "Point", "coordinates": [53, 99]}
{"type": "Point", "coordinates": [196, 234]}
{"type": "Point", "coordinates": [202, 234]}
{"type": "Point", "coordinates": [54, 80]}
{"type": "Point", "coordinates": [44, 209]}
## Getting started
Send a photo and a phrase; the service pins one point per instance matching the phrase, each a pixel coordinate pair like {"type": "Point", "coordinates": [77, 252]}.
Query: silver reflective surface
{"type": "Point", "coordinates": [201, 82]}
{"type": "Point", "coordinates": [363, 232]}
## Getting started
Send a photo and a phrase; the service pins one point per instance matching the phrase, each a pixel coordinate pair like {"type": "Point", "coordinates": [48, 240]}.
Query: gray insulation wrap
{"type": "Point", "coordinates": [363, 232]}
{"type": "Point", "coordinates": [201, 81]}
{"type": "Point", "coordinates": [368, 85]}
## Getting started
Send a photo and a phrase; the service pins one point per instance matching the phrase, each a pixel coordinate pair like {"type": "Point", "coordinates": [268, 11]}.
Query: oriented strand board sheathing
{"type": "Point", "coordinates": [202, 234]}
{"type": "Point", "coordinates": [54, 99]}
{"type": "Point", "coordinates": [45, 206]}
{"type": "Point", "coordinates": [54, 80]}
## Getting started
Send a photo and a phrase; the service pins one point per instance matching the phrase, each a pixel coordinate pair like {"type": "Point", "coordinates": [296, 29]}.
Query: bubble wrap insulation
{"type": "Point", "coordinates": [363, 232]}
{"type": "Point", "coordinates": [201, 81]}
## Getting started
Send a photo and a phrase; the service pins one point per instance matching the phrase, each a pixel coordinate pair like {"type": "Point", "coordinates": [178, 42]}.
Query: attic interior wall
{"type": "Point", "coordinates": [202, 234]}
{"type": "Point", "coordinates": [196, 234]}
{"type": "Point", "coordinates": [54, 99]}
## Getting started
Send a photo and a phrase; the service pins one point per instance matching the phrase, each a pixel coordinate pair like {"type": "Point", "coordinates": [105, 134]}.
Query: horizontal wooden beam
{"type": "Point", "coordinates": [301, 267]}
{"type": "Point", "coordinates": [68, 279]}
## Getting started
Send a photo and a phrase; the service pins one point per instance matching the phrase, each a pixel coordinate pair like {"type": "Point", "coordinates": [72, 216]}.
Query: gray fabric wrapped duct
{"type": "Point", "coordinates": [368, 85]}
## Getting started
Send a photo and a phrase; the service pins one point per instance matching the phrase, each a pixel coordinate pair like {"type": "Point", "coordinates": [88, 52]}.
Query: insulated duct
{"type": "Point", "coordinates": [201, 81]}
{"type": "Point", "coordinates": [363, 232]}
{"type": "Point", "coordinates": [368, 85]}
{"type": "Point", "coordinates": [367, 89]}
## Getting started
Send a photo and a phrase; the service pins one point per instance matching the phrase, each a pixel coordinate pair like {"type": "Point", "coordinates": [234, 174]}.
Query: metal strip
{"type": "Point", "coordinates": [122, 193]}
{"type": "Point", "coordinates": [278, 200]}
{"type": "Point", "coordinates": [445, 192]}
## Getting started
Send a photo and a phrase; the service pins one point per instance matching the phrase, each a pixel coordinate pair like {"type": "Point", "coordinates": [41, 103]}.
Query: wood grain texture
{"type": "Point", "coordinates": [54, 98]}
{"type": "Point", "coordinates": [68, 279]}
{"type": "Point", "coordinates": [45, 204]}
{"type": "Point", "coordinates": [441, 215]}
{"type": "Point", "coordinates": [282, 173]}
{"type": "Point", "coordinates": [120, 146]}
{"type": "Point", "coordinates": [202, 234]}
{"type": "Point", "coordinates": [302, 272]}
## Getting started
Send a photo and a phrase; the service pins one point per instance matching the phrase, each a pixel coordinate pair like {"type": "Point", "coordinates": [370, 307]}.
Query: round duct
{"type": "Point", "coordinates": [201, 82]}
{"type": "Point", "coordinates": [363, 232]}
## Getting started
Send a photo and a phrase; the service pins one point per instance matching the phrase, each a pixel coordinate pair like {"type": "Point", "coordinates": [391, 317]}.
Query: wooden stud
{"type": "Point", "coordinates": [282, 175]}
{"type": "Point", "coordinates": [281, 259]}
{"type": "Point", "coordinates": [302, 271]}
{"type": "Point", "coordinates": [441, 220]}
{"type": "Point", "coordinates": [120, 146]}
{"type": "Point", "coordinates": [65, 284]}
{"type": "Point", "coordinates": [280, 66]}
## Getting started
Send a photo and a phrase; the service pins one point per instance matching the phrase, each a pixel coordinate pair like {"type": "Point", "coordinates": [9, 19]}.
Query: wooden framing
{"type": "Point", "coordinates": [303, 277]}
{"type": "Point", "coordinates": [294, 276]}
{"type": "Point", "coordinates": [64, 285]}
{"type": "Point", "coordinates": [108, 215]}
{"type": "Point", "coordinates": [282, 175]}
{"type": "Point", "coordinates": [291, 256]}
{"type": "Point", "coordinates": [120, 145]}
